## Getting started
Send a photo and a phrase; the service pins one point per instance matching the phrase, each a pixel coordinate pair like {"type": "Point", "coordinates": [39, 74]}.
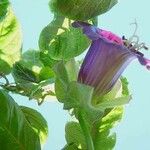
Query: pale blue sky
{"type": "Point", "coordinates": [133, 133]}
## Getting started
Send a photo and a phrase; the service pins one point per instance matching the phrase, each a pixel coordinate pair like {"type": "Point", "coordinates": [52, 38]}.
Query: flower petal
{"type": "Point", "coordinates": [106, 59]}
{"type": "Point", "coordinates": [103, 65]}
{"type": "Point", "coordinates": [95, 33]}
{"type": "Point", "coordinates": [111, 36]}
{"type": "Point", "coordinates": [144, 61]}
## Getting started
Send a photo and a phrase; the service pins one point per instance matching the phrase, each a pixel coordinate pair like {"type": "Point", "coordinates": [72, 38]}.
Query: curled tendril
{"type": "Point", "coordinates": [136, 27]}
{"type": "Point", "coordinates": [141, 45]}
{"type": "Point", "coordinates": [133, 42]}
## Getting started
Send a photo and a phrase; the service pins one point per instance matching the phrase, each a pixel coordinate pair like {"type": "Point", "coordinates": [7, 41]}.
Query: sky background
{"type": "Point", "coordinates": [133, 133]}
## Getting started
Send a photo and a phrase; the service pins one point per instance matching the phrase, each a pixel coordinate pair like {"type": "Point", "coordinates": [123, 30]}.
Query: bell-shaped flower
{"type": "Point", "coordinates": [106, 59]}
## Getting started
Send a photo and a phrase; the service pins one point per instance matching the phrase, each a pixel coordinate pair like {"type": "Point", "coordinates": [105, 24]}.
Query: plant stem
{"type": "Point", "coordinates": [86, 131]}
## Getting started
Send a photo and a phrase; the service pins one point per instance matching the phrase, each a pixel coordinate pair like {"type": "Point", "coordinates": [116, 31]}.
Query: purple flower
{"type": "Point", "coordinates": [106, 59]}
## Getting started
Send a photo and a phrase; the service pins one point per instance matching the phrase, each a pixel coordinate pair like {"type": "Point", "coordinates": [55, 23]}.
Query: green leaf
{"type": "Point", "coordinates": [103, 139]}
{"type": "Point", "coordinates": [15, 131]}
{"type": "Point", "coordinates": [46, 73]}
{"type": "Point", "coordinates": [61, 81]}
{"type": "Point", "coordinates": [111, 119]}
{"type": "Point", "coordinates": [125, 90]}
{"type": "Point", "coordinates": [31, 69]}
{"type": "Point", "coordinates": [115, 92]}
{"type": "Point", "coordinates": [61, 72]}
{"type": "Point", "coordinates": [114, 103]}
{"type": "Point", "coordinates": [80, 96]}
{"type": "Point", "coordinates": [77, 95]}
{"type": "Point", "coordinates": [68, 44]}
{"type": "Point", "coordinates": [47, 35]}
{"type": "Point", "coordinates": [41, 90]}
{"type": "Point", "coordinates": [74, 135]}
{"type": "Point", "coordinates": [46, 59]}
{"type": "Point", "coordinates": [32, 78]}
{"type": "Point", "coordinates": [33, 90]}
{"type": "Point", "coordinates": [72, 70]}
{"type": "Point", "coordinates": [50, 31]}
{"type": "Point", "coordinates": [37, 122]}
{"type": "Point", "coordinates": [61, 41]}
{"type": "Point", "coordinates": [3, 8]}
{"type": "Point", "coordinates": [81, 9]}
{"type": "Point", "coordinates": [71, 147]}
{"type": "Point", "coordinates": [10, 42]}
{"type": "Point", "coordinates": [22, 74]}
{"type": "Point", "coordinates": [31, 60]}
{"type": "Point", "coordinates": [65, 73]}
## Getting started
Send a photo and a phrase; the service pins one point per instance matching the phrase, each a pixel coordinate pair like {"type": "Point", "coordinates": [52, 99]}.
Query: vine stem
{"type": "Point", "coordinates": [86, 131]}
